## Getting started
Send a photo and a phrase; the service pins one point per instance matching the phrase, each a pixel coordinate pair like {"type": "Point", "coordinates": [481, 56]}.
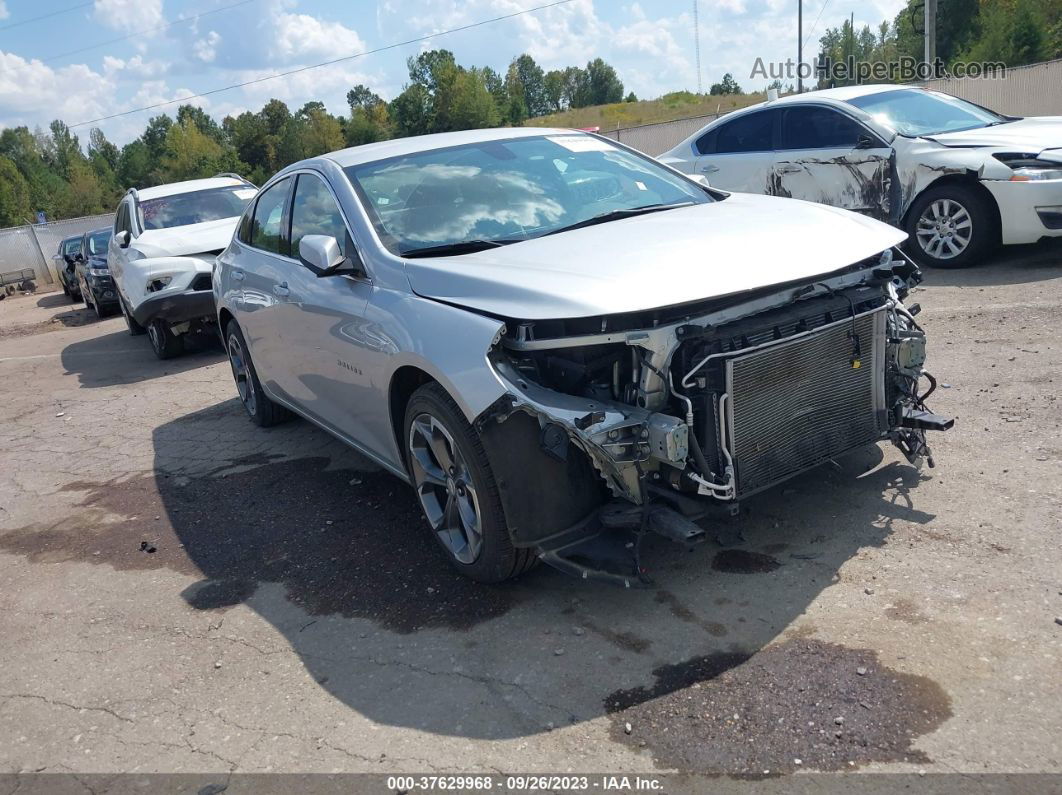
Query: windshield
{"type": "Point", "coordinates": [195, 207]}
{"type": "Point", "coordinates": [97, 242]}
{"type": "Point", "coordinates": [915, 111]}
{"type": "Point", "coordinates": [509, 190]}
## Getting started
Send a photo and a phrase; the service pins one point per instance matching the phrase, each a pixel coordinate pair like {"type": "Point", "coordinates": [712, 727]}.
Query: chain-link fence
{"type": "Point", "coordinates": [34, 246]}
{"type": "Point", "coordinates": [655, 139]}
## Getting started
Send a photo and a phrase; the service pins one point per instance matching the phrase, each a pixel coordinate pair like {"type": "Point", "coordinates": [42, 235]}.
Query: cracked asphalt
{"type": "Point", "coordinates": [185, 592]}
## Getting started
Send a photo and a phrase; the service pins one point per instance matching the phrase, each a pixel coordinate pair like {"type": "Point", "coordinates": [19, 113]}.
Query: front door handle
{"type": "Point", "coordinates": [709, 169]}
{"type": "Point", "coordinates": [237, 275]}
{"type": "Point", "coordinates": [788, 169]}
{"type": "Point", "coordinates": [281, 290]}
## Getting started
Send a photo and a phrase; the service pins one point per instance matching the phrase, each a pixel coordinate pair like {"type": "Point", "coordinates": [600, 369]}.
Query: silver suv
{"type": "Point", "coordinates": [562, 344]}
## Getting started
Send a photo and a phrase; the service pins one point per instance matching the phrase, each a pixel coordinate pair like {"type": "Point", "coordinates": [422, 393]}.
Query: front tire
{"type": "Point", "coordinates": [164, 342]}
{"type": "Point", "coordinates": [261, 410]}
{"type": "Point", "coordinates": [457, 490]}
{"type": "Point", "coordinates": [951, 226]}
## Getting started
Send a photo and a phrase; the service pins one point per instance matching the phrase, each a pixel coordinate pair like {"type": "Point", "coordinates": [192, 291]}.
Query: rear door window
{"type": "Point", "coordinates": [753, 132]}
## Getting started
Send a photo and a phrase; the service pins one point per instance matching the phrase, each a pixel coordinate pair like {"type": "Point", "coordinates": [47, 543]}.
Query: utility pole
{"type": "Point", "coordinates": [931, 31]}
{"type": "Point", "coordinates": [800, 45]}
{"type": "Point", "coordinates": [697, 45]}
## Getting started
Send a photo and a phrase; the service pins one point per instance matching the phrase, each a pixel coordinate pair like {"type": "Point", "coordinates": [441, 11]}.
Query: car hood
{"type": "Point", "coordinates": [1025, 135]}
{"type": "Point", "coordinates": [180, 241]}
{"type": "Point", "coordinates": [741, 243]}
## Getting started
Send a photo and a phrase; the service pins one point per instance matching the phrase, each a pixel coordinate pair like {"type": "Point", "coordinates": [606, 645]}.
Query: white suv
{"type": "Point", "coordinates": [162, 254]}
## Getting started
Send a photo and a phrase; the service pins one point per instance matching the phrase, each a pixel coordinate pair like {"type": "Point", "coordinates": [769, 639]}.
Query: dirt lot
{"type": "Point", "coordinates": [183, 591]}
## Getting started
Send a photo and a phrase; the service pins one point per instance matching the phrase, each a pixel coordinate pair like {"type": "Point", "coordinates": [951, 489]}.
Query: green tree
{"type": "Point", "coordinates": [601, 85]}
{"type": "Point", "coordinates": [411, 110]}
{"type": "Point", "coordinates": [553, 87]}
{"type": "Point", "coordinates": [15, 206]}
{"type": "Point", "coordinates": [533, 83]}
{"type": "Point", "coordinates": [473, 106]}
{"type": "Point", "coordinates": [320, 132]}
{"type": "Point", "coordinates": [727, 86]}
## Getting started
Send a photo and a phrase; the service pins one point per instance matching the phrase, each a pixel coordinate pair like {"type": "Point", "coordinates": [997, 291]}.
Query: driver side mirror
{"type": "Point", "coordinates": [322, 255]}
{"type": "Point", "coordinates": [122, 238]}
{"type": "Point", "coordinates": [865, 142]}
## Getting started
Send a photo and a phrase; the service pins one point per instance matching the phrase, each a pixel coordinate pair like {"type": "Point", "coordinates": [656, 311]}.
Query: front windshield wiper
{"type": "Point", "coordinates": [453, 249]}
{"type": "Point", "coordinates": [615, 215]}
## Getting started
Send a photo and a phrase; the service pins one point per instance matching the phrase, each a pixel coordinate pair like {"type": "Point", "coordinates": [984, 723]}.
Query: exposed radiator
{"type": "Point", "coordinates": [797, 404]}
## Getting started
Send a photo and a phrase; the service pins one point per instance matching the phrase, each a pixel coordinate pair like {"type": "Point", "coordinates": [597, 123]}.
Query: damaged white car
{"type": "Point", "coordinates": [564, 345]}
{"type": "Point", "coordinates": [161, 255]}
{"type": "Point", "coordinates": [959, 178]}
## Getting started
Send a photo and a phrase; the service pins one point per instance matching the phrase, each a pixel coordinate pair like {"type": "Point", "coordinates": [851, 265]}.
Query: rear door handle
{"type": "Point", "coordinates": [237, 275]}
{"type": "Point", "coordinates": [788, 169]}
{"type": "Point", "coordinates": [281, 290]}
{"type": "Point", "coordinates": [709, 169]}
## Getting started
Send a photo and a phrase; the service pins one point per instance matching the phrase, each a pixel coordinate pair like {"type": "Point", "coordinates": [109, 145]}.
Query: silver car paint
{"type": "Point", "coordinates": [349, 336]}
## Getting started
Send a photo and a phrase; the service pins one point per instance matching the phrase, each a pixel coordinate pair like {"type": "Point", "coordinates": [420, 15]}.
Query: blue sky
{"type": "Point", "coordinates": [650, 43]}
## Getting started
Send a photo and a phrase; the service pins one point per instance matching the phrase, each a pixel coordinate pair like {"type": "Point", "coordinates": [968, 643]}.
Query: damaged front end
{"type": "Point", "coordinates": [646, 422]}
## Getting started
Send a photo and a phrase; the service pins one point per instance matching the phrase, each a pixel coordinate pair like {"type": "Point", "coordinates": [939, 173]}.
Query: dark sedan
{"type": "Point", "coordinates": [92, 276]}
{"type": "Point", "coordinates": [64, 265]}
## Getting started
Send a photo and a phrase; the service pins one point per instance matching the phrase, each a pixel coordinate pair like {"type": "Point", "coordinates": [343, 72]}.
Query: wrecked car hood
{"type": "Point", "coordinates": [1025, 135]}
{"type": "Point", "coordinates": [662, 259]}
{"type": "Point", "coordinates": [180, 241]}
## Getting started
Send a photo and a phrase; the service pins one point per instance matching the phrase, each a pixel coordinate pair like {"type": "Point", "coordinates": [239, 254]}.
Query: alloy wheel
{"type": "Point", "coordinates": [944, 229]}
{"type": "Point", "coordinates": [445, 488]}
{"type": "Point", "coordinates": [241, 371]}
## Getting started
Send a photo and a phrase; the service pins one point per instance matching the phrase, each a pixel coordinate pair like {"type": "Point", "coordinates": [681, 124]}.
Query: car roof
{"type": "Point", "coordinates": [843, 93]}
{"type": "Point", "coordinates": [398, 147]}
{"type": "Point", "coordinates": [174, 188]}
{"type": "Point", "coordinates": [831, 96]}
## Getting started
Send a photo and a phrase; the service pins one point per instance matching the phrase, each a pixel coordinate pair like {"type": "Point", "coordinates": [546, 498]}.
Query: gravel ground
{"type": "Point", "coordinates": [186, 592]}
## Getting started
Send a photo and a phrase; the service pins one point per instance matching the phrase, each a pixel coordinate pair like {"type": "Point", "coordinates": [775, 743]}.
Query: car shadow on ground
{"type": "Point", "coordinates": [54, 300]}
{"type": "Point", "coordinates": [334, 555]}
{"type": "Point", "coordinates": [1007, 265]}
{"type": "Point", "coordinates": [339, 561]}
{"type": "Point", "coordinates": [120, 358]}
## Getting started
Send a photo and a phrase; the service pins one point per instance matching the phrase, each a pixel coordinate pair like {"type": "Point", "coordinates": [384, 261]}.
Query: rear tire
{"type": "Point", "coordinates": [951, 226]}
{"type": "Point", "coordinates": [135, 329]}
{"type": "Point", "coordinates": [164, 342]}
{"type": "Point", "coordinates": [261, 410]}
{"type": "Point", "coordinates": [457, 491]}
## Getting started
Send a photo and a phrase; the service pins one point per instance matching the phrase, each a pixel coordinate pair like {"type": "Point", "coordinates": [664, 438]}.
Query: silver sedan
{"type": "Point", "coordinates": [562, 344]}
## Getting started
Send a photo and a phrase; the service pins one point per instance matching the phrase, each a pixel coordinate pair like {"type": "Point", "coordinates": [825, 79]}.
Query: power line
{"type": "Point", "coordinates": [170, 24]}
{"type": "Point", "coordinates": [44, 16]}
{"type": "Point", "coordinates": [816, 22]}
{"type": "Point", "coordinates": [301, 69]}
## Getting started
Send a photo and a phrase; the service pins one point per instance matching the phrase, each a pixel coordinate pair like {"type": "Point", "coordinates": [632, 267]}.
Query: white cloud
{"type": "Point", "coordinates": [4, 13]}
{"type": "Point", "coordinates": [129, 15]}
{"type": "Point", "coordinates": [33, 93]}
{"type": "Point", "coordinates": [301, 36]}
{"type": "Point", "coordinates": [206, 48]}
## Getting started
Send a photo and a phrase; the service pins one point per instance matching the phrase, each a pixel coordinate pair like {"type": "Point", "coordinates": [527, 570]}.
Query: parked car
{"type": "Point", "coordinates": [64, 266]}
{"type": "Point", "coordinates": [957, 177]}
{"type": "Point", "coordinates": [91, 273]}
{"type": "Point", "coordinates": [561, 343]}
{"type": "Point", "coordinates": [162, 253]}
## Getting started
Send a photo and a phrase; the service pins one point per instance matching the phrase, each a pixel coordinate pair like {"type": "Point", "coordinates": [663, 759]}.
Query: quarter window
{"type": "Point", "coordinates": [819, 128]}
{"type": "Point", "coordinates": [753, 132]}
{"type": "Point", "coordinates": [267, 229]}
{"type": "Point", "coordinates": [315, 212]}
